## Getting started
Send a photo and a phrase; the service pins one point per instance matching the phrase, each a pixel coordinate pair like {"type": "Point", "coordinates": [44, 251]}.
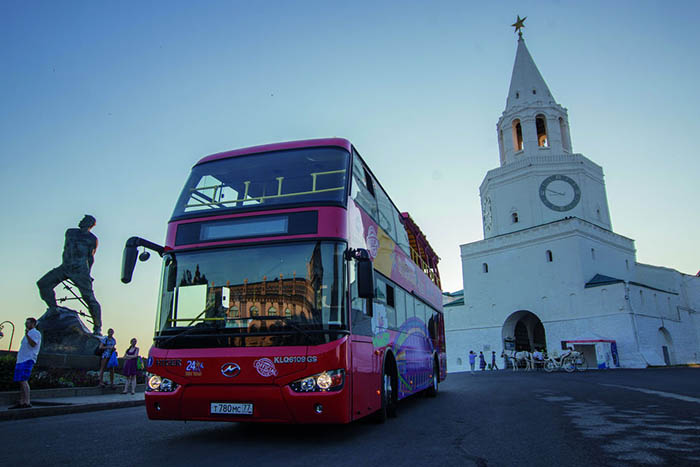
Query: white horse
{"type": "Point", "coordinates": [517, 357]}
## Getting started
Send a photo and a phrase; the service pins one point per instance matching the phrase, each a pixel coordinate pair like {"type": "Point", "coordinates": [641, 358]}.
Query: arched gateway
{"type": "Point", "coordinates": [526, 329]}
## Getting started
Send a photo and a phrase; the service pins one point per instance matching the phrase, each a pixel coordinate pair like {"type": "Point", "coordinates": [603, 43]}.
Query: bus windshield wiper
{"type": "Point", "coordinates": [299, 329]}
{"type": "Point", "coordinates": [180, 334]}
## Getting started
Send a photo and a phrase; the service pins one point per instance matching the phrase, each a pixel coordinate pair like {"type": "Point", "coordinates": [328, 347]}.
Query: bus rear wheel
{"type": "Point", "coordinates": [432, 391]}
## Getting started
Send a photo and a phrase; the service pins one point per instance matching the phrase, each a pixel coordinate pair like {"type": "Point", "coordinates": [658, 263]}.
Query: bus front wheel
{"type": "Point", "coordinates": [389, 396]}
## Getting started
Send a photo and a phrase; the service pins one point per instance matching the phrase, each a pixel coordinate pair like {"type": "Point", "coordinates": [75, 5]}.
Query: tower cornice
{"type": "Point", "coordinates": [532, 109]}
{"type": "Point", "coordinates": [546, 233]}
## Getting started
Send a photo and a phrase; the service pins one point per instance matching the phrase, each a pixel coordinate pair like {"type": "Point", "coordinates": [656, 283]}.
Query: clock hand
{"type": "Point", "coordinates": [555, 192]}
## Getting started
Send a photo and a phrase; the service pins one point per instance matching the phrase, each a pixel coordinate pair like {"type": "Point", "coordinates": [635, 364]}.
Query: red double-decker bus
{"type": "Point", "coordinates": [292, 290]}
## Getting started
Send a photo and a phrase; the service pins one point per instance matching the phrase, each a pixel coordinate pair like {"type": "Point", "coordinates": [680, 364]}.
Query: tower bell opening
{"type": "Point", "coordinates": [541, 123]}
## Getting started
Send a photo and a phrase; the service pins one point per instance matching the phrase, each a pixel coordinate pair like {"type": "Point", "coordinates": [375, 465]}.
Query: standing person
{"type": "Point", "coordinates": [472, 359]}
{"type": "Point", "coordinates": [26, 358]}
{"type": "Point", "coordinates": [493, 360]}
{"type": "Point", "coordinates": [107, 346]}
{"type": "Point", "coordinates": [537, 357]}
{"type": "Point", "coordinates": [130, 356]}
{"type": "Point", "coordinates": [482, 361]}
{"type": "Point", "coordinates": [78, 255]}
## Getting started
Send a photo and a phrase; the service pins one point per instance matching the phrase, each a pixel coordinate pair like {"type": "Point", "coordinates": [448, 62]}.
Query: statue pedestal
{"type": "Point", "coordinates": [62, 332]}
{"type": "Point", "coordinates": [68, 362]}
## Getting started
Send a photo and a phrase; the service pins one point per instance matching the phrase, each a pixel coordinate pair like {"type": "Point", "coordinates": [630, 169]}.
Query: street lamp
{"type": "Point", "coordinates": [11, 335]}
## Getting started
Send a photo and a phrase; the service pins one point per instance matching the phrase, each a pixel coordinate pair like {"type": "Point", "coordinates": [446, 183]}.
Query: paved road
{"type": "Point", "coordinates": [625, 417]}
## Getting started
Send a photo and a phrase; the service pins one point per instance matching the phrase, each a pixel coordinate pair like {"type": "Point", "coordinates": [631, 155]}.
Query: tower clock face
{"type": "Point", "coordinates": [560, 193]}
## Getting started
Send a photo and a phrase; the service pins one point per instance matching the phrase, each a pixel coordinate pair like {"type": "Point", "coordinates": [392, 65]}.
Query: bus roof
{"type": "Point", "coordinates": [340, 142]}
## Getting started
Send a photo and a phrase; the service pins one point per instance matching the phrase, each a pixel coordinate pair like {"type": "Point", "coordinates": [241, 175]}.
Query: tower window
{"type": "Point", "coordinates": [627, 264]}
{"type": "Point", "coordinates": [541, 123]}
{"type": "Point", "coordinates": [514, 217]}
{"type": "Point", "coordinates": [485, 268]}
{"type": "Point", "coordinates": [517, 95]}
{"type": "Point", "coordinates": [517, 135]}
{"type": "Point", "coordinates": [592, 253]}
{"type": "Point", "coordinates": [550, 258]}
{"type": "Point", "coordinates": [534, 91]}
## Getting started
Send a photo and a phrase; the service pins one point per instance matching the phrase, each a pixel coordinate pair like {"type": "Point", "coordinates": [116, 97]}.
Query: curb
{"type": "Point", "coordinates": [10, 397]}
{"type": "Point", "coordinates": [34, 412]}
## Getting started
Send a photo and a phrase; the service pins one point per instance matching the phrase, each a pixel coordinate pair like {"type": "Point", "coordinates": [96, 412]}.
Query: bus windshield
{"type": "Point", "coordinates": [271, 179]}
{"type": "Point", "coordinates": [288, 294]}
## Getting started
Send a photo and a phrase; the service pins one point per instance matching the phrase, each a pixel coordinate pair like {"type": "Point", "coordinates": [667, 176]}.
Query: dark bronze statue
{"type": "Point", "coordinates": [78, 257]}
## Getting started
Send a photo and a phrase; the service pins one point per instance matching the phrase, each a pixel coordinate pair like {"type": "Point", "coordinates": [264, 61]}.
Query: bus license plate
{"type": "Point", "coordinates": [231, 408]}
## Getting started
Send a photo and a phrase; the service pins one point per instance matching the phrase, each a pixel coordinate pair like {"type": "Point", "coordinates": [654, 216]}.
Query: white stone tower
{"type": "Point", "coordinates": [550, 272]}
{"type": "Point", "coordinates": [540, 179]}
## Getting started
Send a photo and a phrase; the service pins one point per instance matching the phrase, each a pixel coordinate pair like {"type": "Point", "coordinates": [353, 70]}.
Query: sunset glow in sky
{"type": "Point", "coordinates": [107, 105]}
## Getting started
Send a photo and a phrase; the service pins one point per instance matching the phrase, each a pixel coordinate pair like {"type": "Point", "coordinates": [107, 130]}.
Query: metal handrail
{"type": "Point", "coordinates": [11, 335]}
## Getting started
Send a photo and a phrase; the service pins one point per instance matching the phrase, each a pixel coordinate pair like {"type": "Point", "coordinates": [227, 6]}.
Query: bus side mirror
{"type": "Point", "coordinates": [365, 278]}
{"type": "Point", "coordinates": [365, 271]}
{"type": "Point", "coordinates": [131, 253]}
{"type": "Point", "coordinates": [128, 263]}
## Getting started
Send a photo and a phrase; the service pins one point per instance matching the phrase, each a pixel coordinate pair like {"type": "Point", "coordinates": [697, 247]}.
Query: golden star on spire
{"type": "Point", "coordinates": [518, 25]}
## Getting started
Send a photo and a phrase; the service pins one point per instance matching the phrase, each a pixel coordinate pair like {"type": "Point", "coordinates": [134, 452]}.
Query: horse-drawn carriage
{"type": "Point", "coordinates": [569, 360]}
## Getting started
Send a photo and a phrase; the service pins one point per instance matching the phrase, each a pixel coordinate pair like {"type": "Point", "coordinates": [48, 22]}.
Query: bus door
{"type": "Point", "coordinates": [365, 379]}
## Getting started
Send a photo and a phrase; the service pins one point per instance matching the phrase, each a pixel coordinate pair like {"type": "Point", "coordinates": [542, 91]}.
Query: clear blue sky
{"type": "Point", "coordinates": [106, 106]}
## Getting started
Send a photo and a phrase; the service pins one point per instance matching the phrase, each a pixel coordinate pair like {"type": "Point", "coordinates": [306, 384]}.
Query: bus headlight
{"type": "Point", "coordinates": [322, 382]}
{"type": "Point", "coordinates": [156, 383]}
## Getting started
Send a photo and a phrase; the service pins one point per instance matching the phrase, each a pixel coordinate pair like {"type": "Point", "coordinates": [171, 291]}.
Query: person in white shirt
{"type": "Point", "coordinates": [26, 358]}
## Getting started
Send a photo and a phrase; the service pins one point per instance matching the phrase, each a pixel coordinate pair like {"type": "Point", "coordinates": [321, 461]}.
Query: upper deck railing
{"type": "Point", "coordinates": [432, 273]}
{"type": "Point", "coordinates": [421, 252]}
{"type": "Point", "coordinates": [218, 189]}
